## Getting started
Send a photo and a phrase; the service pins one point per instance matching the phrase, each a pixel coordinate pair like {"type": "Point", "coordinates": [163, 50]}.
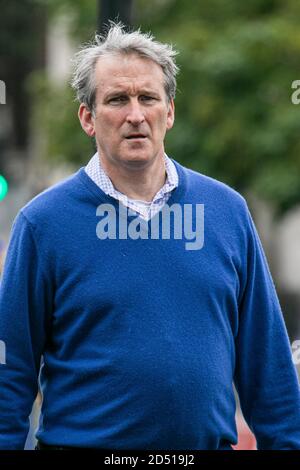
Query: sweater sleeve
{"type": "Point", "coordinates": [24, 302]}
{"type": "Point", "coordinates": [265, 376]}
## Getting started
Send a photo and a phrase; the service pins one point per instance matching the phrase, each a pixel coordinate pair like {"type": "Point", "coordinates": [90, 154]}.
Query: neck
{"type": "Point", "coordinates": [137, 182]}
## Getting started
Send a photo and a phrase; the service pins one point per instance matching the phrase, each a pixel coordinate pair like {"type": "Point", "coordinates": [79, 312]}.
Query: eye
{"type": "Point", "coordinates": [147, 98]}
{"type": "Point", "coordinates": [118, 99]}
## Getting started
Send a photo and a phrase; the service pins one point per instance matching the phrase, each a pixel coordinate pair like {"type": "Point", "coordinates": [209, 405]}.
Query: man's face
{"type": "Point", "coordinates": [132, 113]}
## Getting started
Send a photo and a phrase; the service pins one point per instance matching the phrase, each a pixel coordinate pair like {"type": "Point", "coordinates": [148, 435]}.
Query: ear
{"type": "Point", "coordinates": [171, 114]}
{"type": "Point", "coordinates": [86, 120]}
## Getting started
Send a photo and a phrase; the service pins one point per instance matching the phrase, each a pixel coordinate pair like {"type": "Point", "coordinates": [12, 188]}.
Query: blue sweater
{"type": "Point", "coordinates": [142, 339]}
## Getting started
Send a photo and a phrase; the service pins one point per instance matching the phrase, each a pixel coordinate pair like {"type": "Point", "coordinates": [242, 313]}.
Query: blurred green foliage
{"type": "Point", "coordinates": [55, 116]}
{"type": "Point", "coordinates": [83, 15]}
{"type": "Point", "coordinates": [234, 117]}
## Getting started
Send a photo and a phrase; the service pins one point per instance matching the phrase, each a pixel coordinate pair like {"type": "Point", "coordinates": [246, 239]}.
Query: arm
{"type": "Point", "coordinates": [265, 376]}
{"type": "Point", "coordinates": [24, 303]}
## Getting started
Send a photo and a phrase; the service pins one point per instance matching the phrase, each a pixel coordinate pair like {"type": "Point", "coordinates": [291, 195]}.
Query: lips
{"type": "Point", "coordinates": [136, 136]}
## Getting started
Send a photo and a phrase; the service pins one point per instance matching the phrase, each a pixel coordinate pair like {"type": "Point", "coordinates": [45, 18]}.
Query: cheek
{"type": "Point", "coordinates": [161, 123]}
{"type": "Point", "coordinates": [104, 125]}
{"type": "Point", "coordinates": [108, 122]}
{"type": "Point", "coordinates": [158, 119]}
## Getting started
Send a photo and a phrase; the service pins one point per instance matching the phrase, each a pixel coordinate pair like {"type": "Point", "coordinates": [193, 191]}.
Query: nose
{"type": "Point", "coordinates": [135, 114]}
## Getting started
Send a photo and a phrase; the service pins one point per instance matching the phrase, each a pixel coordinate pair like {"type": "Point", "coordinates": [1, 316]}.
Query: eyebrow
{"type": "Point", "coordinates": [118, 92]}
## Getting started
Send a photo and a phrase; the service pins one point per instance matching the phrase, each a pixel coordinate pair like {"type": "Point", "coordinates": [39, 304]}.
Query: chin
{"type": "Point", "coordinates": [137, 159]}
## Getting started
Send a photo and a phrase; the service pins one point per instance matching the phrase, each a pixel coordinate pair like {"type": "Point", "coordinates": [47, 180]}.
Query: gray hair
{"type": "Point", "coordinates": [117, 41]}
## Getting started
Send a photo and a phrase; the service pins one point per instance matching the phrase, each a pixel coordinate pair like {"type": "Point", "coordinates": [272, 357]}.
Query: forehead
{"type": "Point", "coordinates": [122, 71]}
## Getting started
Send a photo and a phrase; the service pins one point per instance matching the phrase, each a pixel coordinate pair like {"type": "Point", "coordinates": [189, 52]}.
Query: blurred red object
{"type": "Point", "coordinates": [246, 439]}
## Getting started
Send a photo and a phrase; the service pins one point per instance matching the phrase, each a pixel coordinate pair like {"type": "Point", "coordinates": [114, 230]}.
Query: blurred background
{"type": "Point", "coordinates": [235, 117]}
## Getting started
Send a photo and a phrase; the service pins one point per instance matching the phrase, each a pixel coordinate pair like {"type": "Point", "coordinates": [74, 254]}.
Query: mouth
{"type": "Point", "coordinates": [135, 137]}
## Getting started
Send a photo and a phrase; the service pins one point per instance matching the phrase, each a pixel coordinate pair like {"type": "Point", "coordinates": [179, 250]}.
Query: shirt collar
{"type": "Point", "coordinates": [96, 171]}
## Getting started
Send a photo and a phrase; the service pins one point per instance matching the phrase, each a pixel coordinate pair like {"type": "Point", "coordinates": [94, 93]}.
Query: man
{"type": "Point", "coordinates": [142, 333]}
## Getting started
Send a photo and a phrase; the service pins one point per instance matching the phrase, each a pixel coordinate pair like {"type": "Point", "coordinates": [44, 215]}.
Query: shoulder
{"type": "Point", "coordinates": [50, 202]}
{"type": "Point", "coordinates": [211, 190]}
